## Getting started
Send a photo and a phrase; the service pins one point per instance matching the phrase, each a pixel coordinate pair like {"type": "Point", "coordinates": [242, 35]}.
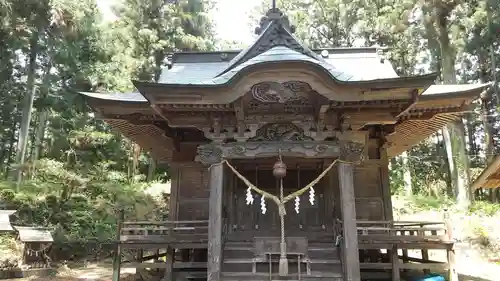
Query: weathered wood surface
{"type": "Point", "coordinates": [215, 223]}
{"type": "Point", "coordinates": [411, 266]}
{"type": "Point", "coordinates": [347, 198]}
{"type": "Point", "coordinates": [165, 265]}
{"type": "Point", "coordinates": [394, 233]}
{"type": "Point", "coordinates": [271, 245]}
{"type": "Point", "coordinates": [118, 253]}
{"type": "Point", "coordinates": [156, 232]}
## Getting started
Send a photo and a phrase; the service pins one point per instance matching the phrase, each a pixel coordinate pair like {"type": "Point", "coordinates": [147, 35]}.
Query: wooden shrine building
{"type": "Point", "coordinates": [489, 177]}
{"type": "Point", "coordinates": [223, 120]}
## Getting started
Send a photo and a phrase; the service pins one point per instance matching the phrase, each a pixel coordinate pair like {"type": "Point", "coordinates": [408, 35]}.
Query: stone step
{"type": "Point", "coordinates": [311, 261]}
{"type": "Point", "coordinates": [246, 265]}
{"type": "Point", "coordinates": [292, 276]}
{"type": "Point", "coordinates": [317, 252]}
{"type": "Point", "coordinates": [266, 278]}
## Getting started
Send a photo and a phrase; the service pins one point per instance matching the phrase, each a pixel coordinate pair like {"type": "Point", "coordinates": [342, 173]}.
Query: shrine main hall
{"type": "Point", "coordinates": [278, 157]}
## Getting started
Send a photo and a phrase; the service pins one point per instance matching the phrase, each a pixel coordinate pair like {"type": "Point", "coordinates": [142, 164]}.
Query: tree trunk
{"type": "Point", "coordinates": [151, 169]}
{"type": "Point", "coordinates": [136, 153]}
{"type": "Point", "coordinates": [406, 175]}
{"type": "Point", "coordinates": [43, 116]}
{"type": "Point", "coordinates": [11, 147]}
{"type": "Point", "coordinates": [454, 133]}
{"type": "Point", "coordinates": [39, 137]}
{"type": "Point", "coordinates": [489, 7]}
{"type": "Point", "coordinates": [22, 143]}
{"type": "Point", "coordinates": [485, 111]}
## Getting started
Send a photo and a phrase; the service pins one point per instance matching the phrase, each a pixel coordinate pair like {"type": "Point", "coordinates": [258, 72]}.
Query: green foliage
{"type": "Point", "coordinates": [77, 207]}
{"type": "Point", "coordinates": [485, 208]}
{"type": "Point", "coordinates": [420, 203]}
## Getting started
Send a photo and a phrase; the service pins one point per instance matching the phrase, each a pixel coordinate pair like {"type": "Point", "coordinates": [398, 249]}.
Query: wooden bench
{"type": "Point", "coordinates": [267, 249]}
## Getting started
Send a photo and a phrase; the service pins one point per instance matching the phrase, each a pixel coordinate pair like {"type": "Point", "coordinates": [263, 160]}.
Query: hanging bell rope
{"type": "Point", "coordinates": [289, 197]}
{"type": "Point", "coordinates": [279, 171]}
{"type": "Point", "coordinates": [251, 185]}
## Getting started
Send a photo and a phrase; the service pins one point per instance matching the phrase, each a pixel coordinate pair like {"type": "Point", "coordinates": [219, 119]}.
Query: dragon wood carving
{"type": "Point", "coordinates": [274, 92]}
{"type": "Point", "coordinates": [280, 132]}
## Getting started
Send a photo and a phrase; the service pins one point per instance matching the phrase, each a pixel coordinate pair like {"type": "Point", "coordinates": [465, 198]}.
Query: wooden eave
{"type": "Point", "coordinates": [240, 84]}
{"type": "Point", "coordinates": [429, 114]}
{"type": "Point", "coordinates": [119, 114]}
{"type": "Point", "coordinates": [490, 177]}
{"type": "Point", "coordinates": [424, 116]}
{"type": "Point", "coordinates": [147, 136]}
{"type": "Point", "coordinates": [103, 106]}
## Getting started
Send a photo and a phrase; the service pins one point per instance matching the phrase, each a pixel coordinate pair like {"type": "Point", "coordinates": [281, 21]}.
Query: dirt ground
{"type": "Point", "coordinates": [92, 272]}
{"type": "Point", "coordinates": [470, 266]}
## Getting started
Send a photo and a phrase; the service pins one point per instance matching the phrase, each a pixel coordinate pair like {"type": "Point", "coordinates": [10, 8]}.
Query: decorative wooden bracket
{"type": "Point", "coordinates": [214, 153]}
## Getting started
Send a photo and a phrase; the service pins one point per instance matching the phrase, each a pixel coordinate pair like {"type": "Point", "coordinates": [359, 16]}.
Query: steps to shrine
{"type": "Point", "coordinates": [244, 276]}
{"type": "Point", "coordinates": [240, 264]}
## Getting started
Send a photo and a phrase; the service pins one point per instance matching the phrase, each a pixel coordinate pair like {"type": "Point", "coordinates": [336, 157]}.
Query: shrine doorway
{"type": "Point", "coordinates": [311, 217]}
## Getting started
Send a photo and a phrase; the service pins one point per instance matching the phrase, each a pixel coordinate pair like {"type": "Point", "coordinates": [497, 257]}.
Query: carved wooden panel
{"type": "Point", "coordinates": [367, 182]}
{"type": "Point", "coordinates": [369, 209]}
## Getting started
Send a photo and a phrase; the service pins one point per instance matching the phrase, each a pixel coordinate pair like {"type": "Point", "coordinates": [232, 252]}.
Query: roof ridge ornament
{"type": "Point", "coordinates": [277, 16]}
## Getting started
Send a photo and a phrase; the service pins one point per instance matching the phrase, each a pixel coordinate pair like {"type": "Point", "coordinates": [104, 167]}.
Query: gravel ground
{"type": "Point", "coordinates": [471, 263]}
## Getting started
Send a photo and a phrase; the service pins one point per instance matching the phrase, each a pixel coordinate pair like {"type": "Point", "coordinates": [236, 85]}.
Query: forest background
{"type": "Point", "coordinates": [62, 168]}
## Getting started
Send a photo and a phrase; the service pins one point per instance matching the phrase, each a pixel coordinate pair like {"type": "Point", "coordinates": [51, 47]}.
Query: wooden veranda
{"type": "Point", "coordinates": [384, 248]}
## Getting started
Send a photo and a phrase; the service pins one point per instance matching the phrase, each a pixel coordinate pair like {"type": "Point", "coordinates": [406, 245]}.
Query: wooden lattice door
{"type": "Point", "coordinates": [250, 217]}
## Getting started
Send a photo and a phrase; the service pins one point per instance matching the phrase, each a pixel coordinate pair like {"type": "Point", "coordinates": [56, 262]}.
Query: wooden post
{"type": "Point", "coordinates": [168, 275]}
{"type": "Point", "coordinates": [452, 271]}
{"type": "Point", "coordinates": [350, 234]}
{"type": "Point", "coordinates": [215, 223]}
{"type": "Point", "coordinates": [172, 216]}
{"type": "Point", "coordinates": [395, 264]}
{"type": "Point", "coordinates": [405, 251]}
{"type": "Point", "coordinates": [118, 251]}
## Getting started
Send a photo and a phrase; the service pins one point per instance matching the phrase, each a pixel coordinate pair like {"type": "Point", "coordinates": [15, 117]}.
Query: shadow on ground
{"type": "Point", "coordinates": [463, 277]}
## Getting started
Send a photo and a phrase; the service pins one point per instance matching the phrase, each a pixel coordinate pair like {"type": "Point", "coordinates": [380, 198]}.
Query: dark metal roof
{"type": "Point", "coordinates": [454, 90]}
{"type": "Point", "coordinates": [342, 67]}
{"type": "Point", "coordinates": [34, 234]}
{"type": "Point", "coordinates": [275, 43]}
{"type": "Point", "coordinates": [125, 97]}
{"type": "Point", "coordinates": [227, 55]}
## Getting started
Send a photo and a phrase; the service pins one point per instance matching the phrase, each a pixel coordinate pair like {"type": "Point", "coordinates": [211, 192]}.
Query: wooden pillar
{"type": "Point", "coordinates": [395, 264]}
{"type": "Point", "coordinates": [350, 234]}
{"type": "Point", "coordinates": [386, 185]}
{"type": "Point", "coordinates": [330, 186]}
{"type": "Point", "coordinates": [174, 193]}
{"type": "Point", "coordinates": [172, 216]}
{"type": "Point", "coordinates": [215, 223]}
{"type": "Point", "coordinates": [117, 259]}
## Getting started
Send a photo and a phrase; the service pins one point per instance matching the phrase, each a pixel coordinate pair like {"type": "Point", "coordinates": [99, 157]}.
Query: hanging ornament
{"type": "Point", "coordinates": [297, 204]}
{"type": "Point", "coordinates": [311, 195]}
{"type": "Point", "coordinates": [249, 196]}
{"type": "Point", "coordinates": [263, 205]}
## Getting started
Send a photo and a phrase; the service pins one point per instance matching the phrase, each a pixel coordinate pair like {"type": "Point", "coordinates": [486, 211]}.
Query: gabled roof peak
{"type": "Point", "coordinates": [274, 30]}
{"type": "Point", "coordinates": [277, 16]}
